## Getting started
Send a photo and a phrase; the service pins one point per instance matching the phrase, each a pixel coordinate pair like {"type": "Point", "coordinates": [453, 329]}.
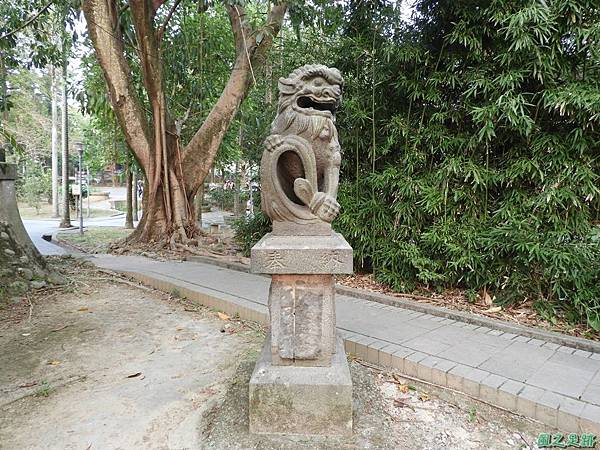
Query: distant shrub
{"type": "Point", "coordinates": [35, 186]}
{"type": "Point", "coordinates": [249, 230]}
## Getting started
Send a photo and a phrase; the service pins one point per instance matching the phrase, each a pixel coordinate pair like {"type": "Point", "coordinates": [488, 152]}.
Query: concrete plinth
{"type": "Point", "coordinates": [301, 400]}
{"type": "Point", "coordinates": [275, 254]}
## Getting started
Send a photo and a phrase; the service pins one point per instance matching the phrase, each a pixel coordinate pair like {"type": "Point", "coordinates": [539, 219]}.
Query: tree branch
{"type": "Point", "coordinates": [141, 13]}
{"type": "Point", "coordinates": [101, 18]}
{"type": "Point", "coordinates": [27, 22]}
{"type": "Point", "coordinates": [163, 27]}
{"type": "Point", "coordinates": [239, 26]}
{"type": "Point", "coordinates": [155, 5]}
{"type": "Point", "coordinates": [200, 152]}
{"type": "Point", "coordinates": [270, 30]}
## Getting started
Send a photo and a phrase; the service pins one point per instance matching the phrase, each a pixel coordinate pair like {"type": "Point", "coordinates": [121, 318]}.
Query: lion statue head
{"type": "Point", "coordinates": [308, 98]}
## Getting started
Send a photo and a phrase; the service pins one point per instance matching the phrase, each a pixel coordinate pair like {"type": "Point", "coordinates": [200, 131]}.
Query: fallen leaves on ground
{"type": "Point", "coordinates": [487, 299]}
{"type": "Point", "coordinates": [402, 403]}
{"type": "Point", "coordinates": [405, 388]}
{"type": "Point", "coordinates": [522, 313]}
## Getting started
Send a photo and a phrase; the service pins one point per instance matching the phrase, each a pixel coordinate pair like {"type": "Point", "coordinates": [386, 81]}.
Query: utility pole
{"type": "Point", "coordinates": [79, 146]}
{"type": "Point", "coordinates": [135, 195]}
{"type": "Point", "coordinates": [66, 216]}
{"type": "Point", "coordinates": [54, 108]}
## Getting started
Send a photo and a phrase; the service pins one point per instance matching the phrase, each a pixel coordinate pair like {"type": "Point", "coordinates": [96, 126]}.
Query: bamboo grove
{"type": "Point", "coordinates": [472, 150]}
{"type": "Point", "coordinates": [482, 169]}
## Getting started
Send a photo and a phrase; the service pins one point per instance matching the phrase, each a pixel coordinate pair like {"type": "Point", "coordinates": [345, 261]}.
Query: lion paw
{"type": "Point", "coordinates": [325, 207]}
{"type": "Point", "coordinates": [272, 142]}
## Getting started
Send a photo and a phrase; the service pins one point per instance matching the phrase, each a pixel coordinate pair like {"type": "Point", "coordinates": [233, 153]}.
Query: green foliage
{"type": "Point", "coordinates": [471, 146]}
{"type": "Point", "coordinates": [44, 389]}
{"type": "Point", "coordinates": [484, 168]}
{"type": "Point", "coordinates": [249, 230]}
{"type": "Point", "coordinates": [29, 121]}
{"type": "Point", "coordinates": [224, 198]}
{"type": "Point", "coordinates": [35, 186]}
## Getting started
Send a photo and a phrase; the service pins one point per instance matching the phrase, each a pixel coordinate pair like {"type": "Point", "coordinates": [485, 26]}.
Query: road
{"type": "Point", "coordinates": [37, 228]}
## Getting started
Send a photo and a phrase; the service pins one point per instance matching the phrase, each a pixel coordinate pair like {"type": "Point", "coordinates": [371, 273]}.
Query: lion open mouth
{"type": "Point", "coordinates": [307, 102]}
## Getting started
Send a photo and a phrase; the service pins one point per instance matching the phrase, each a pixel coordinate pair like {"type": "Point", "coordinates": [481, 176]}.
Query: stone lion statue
{"type": "Point", "coordinates": [301, 162]}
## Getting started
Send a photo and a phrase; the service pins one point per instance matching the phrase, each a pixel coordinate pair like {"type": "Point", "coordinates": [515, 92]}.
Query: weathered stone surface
{"type": "Point", "coordinates": [301, 400]}
{"type": "Point", "coordinates": [300, 166]}
{"type": "Point", "coordinates": [302, 319]}
{"type": "Point", "coordinates": [301, 254]}
{"type": "Point", "coordinates": [301, 383]}
{"type": "Point", "coordinates": [56, 279]}
{"type": "Point", "coordinates": [8, 171]}
{"type": "Point", "coordinates": [293, 229]}
{"type": "Point", "coordinates": [9, 211]}
{"type": "Point", "coordinates": [26, 273]}
{"type": "Point", "coordinates": [16, 277]}
{"type": "Point", "coordinates": [18, 287]}
{"type": "Point", "coordinates": [38, 284]}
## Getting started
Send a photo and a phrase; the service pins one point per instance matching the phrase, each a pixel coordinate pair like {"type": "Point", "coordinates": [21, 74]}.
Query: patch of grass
{"type": "Point", "coordinates": [472, 295]}
{"type": "Point", "coordinates": [44, 390]}
{"type": "Point", "coordinates": [472, 414]}
{"type": "Point", "coordinates": [95, 240]}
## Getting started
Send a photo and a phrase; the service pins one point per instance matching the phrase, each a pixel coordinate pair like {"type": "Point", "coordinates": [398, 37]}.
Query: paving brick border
{"type": "Point", "coordinates": [557, 411]}
{"type": "Point", "coordinates": [554, 410]}
{"type": "Point", "coordinates": [400, 302]}
{"type": "Point", "coordinates": [461, 316]}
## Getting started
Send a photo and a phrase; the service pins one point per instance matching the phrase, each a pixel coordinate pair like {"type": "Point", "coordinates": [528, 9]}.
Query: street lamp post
{"type": "Point", "coordinates": [89, 212]}
{"type": "Point", "coordinates": [79, 146]}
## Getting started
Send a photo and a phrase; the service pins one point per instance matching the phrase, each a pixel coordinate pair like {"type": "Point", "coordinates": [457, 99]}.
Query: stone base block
{"type": "Point", "coordinates": [301, 400]}
{"type": "Point", "coordinates": [275, 254]}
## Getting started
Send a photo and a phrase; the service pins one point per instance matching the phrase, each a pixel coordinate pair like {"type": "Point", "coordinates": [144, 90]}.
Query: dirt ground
{"type": "Point", "coordinates": [112, 366]}
{"type": "Point", "coordinates": [389, 413]}
{"type": "Point", "coordinates": [104, 364]}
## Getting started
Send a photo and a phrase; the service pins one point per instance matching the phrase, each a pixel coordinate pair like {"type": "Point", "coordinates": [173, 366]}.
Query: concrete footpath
{"type": "Point", "coordinates": [556, 384]}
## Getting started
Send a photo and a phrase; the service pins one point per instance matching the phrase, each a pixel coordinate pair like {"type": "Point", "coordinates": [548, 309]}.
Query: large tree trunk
{"type": "Point", "coordinates": [174, 172]}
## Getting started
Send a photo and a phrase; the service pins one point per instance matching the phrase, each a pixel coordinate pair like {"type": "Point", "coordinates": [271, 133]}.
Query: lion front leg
{"type": "Point", "coordinates": [324, 206]}
{"type": "Point", "coordinates": [321, 204]}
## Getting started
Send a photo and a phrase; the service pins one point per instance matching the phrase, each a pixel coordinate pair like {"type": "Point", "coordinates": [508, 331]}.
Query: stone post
{"type": "Point", "coordinates": [301, 382]}
{"type": "Point", "coordinates": [9, 211]}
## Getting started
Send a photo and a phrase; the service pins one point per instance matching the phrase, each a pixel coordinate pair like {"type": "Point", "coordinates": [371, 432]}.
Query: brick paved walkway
{"type": "Point", "coordinates": [557, 385]}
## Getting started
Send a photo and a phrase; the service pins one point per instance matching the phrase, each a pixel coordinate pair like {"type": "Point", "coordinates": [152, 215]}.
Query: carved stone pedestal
{"type": "Point", "coordinates": [301, 400]}
{"type": "Point", "coordinates": [301, 383]}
